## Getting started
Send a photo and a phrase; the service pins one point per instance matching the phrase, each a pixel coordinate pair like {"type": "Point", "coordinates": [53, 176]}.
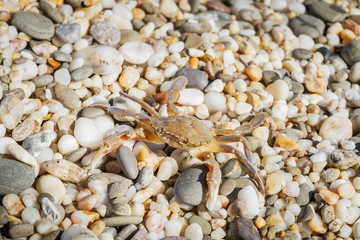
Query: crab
{"type": "Point", "coordinates": [184, 132]}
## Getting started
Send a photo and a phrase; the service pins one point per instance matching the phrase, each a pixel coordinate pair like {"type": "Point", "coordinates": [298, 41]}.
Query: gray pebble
{"type": "Point", "coordinates": [190, 187]}
{"type": "Point", "coordinates": [62, 56]}
{"type": "Point", "coordinates": [303, 197]}
{"type": "Point", "coordinates": [43, 80]}
{"type": "Point", "coordinates": [4, 218]}
{"type": "Point", "coordinates": [327, 213]}
{"type": "Point", "coordinates": [81, 73]}
{"type": "Point", "coordinates": [307, 213]}
{"type": "Point", "coordinates": [77, 154]}
{"type": "Point", "coordinates": [301, 54]}
{"type": "Point", "coordinates": [37, 142]}
{"type": "Point", "coordinates": [118, 189]}
{"type": "Point", "coordinates": [249, 15]}
{"type": "Point", "coordinates": [92, 112]}
{"type": "Point", "coordinates": [129, 36]}
{"type": "Point", "coordinates": [296, 87]}
{"type": "Point", "coordinates": [243, 228]}
{"type": "Point", "coordinates": [193, 41]}
{"type": "Point", "coordinates": [154, 19]}
{"type": "Point", "coordinates": [66, 96]}
{"type": "Point", "coordinates": [125, 232]}
{"type": "Point", "coordinates": [196, 78]}
{"type": "Point", "coordinates": [54, 235]}
{"type": "Point", "coordinates": [14, 176]}
{"type": "Point", "coordinates": [36, 236]}
{"type": "Point", "coordinates": [271, 200]}
{"type": "Point", "coordinates": [270, 76]}
{"type": "Point", "coordinates": [146, 175]}
{"type": "Point", "coordinates": [19, 60]}
{"type": "Point", "coordinates": [341, 85]}
{"type": "Point", "coordinates": [292, 235]}
{"type": "Point", "coordinates": [227, 187]}
{"type": "Point", "coordinates": [21, 230]}
{"type": "Point", "coordinates": [198, 28]}
{"type": "Point", "coordinates": [327, 12]}
{"type": "Point", "coordinates": [330, 174]}
{"type": "Point", "coordinates": [307, 24]}
{"type": "Point", "coordinates": [33, 24]}
{"type": "Point", "coordinates": [351, 52]}
{"type": "Point", "coordinates": [354, 75]}
{"type": "Point", "coordinates": [339, 76]}
{"type": "Point", "coordinates": [53, 13]}
{"type": "Point", "coordinates": [343, 159]}
{"type": "Point", "coordinates": [355, 120]}
{"type": "Point", "coordinates": [68, 33]}
{"type": "Point", "coordinates": [220, 18]}
{"type": "Point", "coordinates": [108, 177]}
{"type": "Point", "coordinates": [270, 211]}
{"type": "Point", "coordinates": [119, 221]}
{"type": "Point", "coordinates": [105, 33]}
{"type": "Point", "coordinates": [121, 209]}
{"type": "Point", "coordinates": [194, 4]}
{"type": "Point", "coordinates": [205, 225]}
{"type": "Point", "coordinates": [149, 8]}
{"type": "Point", "coordinates": [137, 24]}
{"type": "Point", "coordinates": [127, 161]}
{"type": "Point", "coordinates": [231, 169]}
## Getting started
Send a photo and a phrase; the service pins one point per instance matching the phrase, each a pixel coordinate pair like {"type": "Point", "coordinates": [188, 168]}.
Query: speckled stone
{"type": "Point", "coordinates": [105, 33]}
{"type": "Point", "coordinates": [21, 230]}
{"type": "Point", "coordinates": [14, 176]}
{"type": "Point", "coordinates": [343, 159]}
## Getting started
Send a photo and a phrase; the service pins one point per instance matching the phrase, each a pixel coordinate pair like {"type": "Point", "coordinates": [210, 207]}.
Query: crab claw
{"type": "Point", "coordinates": [213, 179]}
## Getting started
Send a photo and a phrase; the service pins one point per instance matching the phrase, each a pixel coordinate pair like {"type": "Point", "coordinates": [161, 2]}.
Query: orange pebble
{"type": "Point", "coordinates": [52, 62]}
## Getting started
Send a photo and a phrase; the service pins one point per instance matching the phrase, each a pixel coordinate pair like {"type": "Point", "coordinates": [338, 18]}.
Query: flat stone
{"type": "Point", "coordinates": [127, 161]}
{"type": "Point", "coordinates": [301, 54]}
{"type": "Point", "coordinates": [21, 230]}
{"type": "Point", "coordinates": [190, 187]}
{"type": "Point", "coordinates": [105, 33]}
{"type": "Point", "coordinates": [231, 169]}
{"type": "Point", "coordinates": [243, 228]}
{"type": "Point", "coordinates": [154, 19]}
{"type": "Point", "coordinates": [67, 96]}
{"type": "Point", "coordinates": [118, 190]}
{"type": "Point", "coordinates": [307, 24]}
{"type": "Point", "coordinates": [62, 56]}
{"type": "Point", "coordinates": [227, 187]}
{"type": "Point", "coordinates": [196, 78]}
{"type": "Point", "coordinates": [327, 12]}
{"type": "Point", "coordinates": [205, 225]}
{"type": "Point", "coordinates": [43, 80]}
{"type": "Point", "coordinates": [53, 13]}
{"type": "Point", "coordinates": [33, 24]}
{"type": "Point", "coordinates": [119, 221]}
{"type": "Point", "coordinates": [81, 73]}
{"type": "Point", "coordinates": [351, 52]}
{"type": "Point", "coordinates": [14, 176]}
{"type": "Point", "coordinates": [198, 28]}
{"type": "Point", "coordinates": [108, 177]}
{"type": "Point", "coordinates": [77, 154]}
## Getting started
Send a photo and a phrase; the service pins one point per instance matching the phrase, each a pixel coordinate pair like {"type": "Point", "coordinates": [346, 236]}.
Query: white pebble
{"type": "Point", "coordinates": [4, 144]}
{"type": "Point", "coordinates": [30, 215]}
{"type": "Point", "coordinates": [66, 144]}
{"type": "Point", "coordinates": [176, 47]}
{"type": "Point", "coordinates": [193, 232]}
{"type": "Point", "coordinates": [27, 70]}
{"type": "Point", "coordinates": [62, 76]}
{"type": "Point", "coordinates": [243, 108]}
{"type": "Point", "coordinates": [87, 134]}
{"type": "Point", "coordinates": [278, 89]}
{"type": "Point", "coordinates": [249, 196]}
{"type": "Point", "coordinates": [191, 96]}
{"type": "Point", "coordinates": [136, 52]}
{"type": "Point", "coordinates": [52, 185]}
{"type": "Point", "coordinates": [173, 228]}
{"type": "Point", "coordinates": [215, 102]}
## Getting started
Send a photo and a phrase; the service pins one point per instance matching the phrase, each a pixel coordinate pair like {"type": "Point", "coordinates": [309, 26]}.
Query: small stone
{"type": "Point", "coordinates": [317, 225]}
{"type": "Point", "coordinates": [81, 73]}
{"type": "Point", "coordinates": [328, 213]}
{"type": "Point", "coordinates": [127, 162]}
{"type": "Point", "coordinates": [119, 221]}
{"type": "Point", "coordinates": [129, 36]}
{"type": "Point", "coordinates": [302, 54]}
{"type": "Point", "coordinates": [23, 130]}
{"type": "Point", "coordinates": [330, 174]}
{"type": "Point", "coordinates": [13, 204]}
{"type": "Point", "coordinates": [278, 89]}
{"type": "Point", "coordinates": [146, 175]}
{"type": "Point", "coordinates": [307, 213]}
{"type": "Point", "coordinates": [33, 24]}
{"type": "Point", "coordinates": [52, 185]}
{"type": "Point", "coordinates": [243, 228]}
{"type": "Point", "coordinates": [335, 127]}
{"type": "Point", "coordinates": [327, 12]}
{"type": "Point", "coordinates": [4, 218]}
{"type": "Point", "coordinates": [198, 28]}
{"type": "Point", "coordinates": [231, 169]}
{"type": "Point", "coordinates": [303, 197]}
{"type": "Point", "coordinates": [250, 199]}
{"type": "Point", "coordinates": [121, 209]}
{"type": "Point", "coordinates": [67, 96]}
{"type": "Point", "coordinates": [21, 230]}
{"type": "Point", "coordinates": [129, 77]}
{"type": "Point", "coordinates": [118, 190]}
{"type": "Point", "coordinates": [136, 52]}
{"type": "Point", "coordinates": [53, 13]}
{"type": "Point", "coordinates": [254, 72]}
{"type": "Point", "coordinates": [108, 177]}
{"type": "Point", "coordinates": [274, 183]}
{"type": "Point", "coordinates": [354, 75]}
{"type": "Point", "coordinates": [190, 187]}
{"type": "Point", "coordinates": [14, 176]}
{"type": "Point", "coordinates": [205, 225]}
{"type": "Point", "coordinates": [43, 80]}
{"type": "Point", "coordinates": [78, 232]}
{"type": "Point", "coordinates": [68, 33]}
{"type": "Point", "coordinates": [286, 143]}
{"type": "Point", "coordinates": [153, 19]}
{"type": "Point", "coordinates": [351, 52]}
{"type": "Point", "coordinates": [343, 159]}
{"type": "Point", "coordinates": [105, 33]}
{"type": "Point", "coordinates": [270, 76]}
{"type": "Point", "coordinates": [196, 78]}
{"type": "Point", "coordinates": [193, 41]}
{"type": "Point", "coordinates": [329, 197]}
{"type": "Point", "coordinates": [36, 143]}
{"type": "Point", "coordinates": [307, 24]}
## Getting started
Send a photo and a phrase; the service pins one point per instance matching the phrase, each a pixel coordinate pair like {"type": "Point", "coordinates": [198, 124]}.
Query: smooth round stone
{"type": "Point", "coordinates": [87, 134]}
{"type": "Point", "coordinates": [79, 233]}
{"type": "Point", "coordinates": [327, 12]}
{"type": "Point", "coordinates": [303, 197]}
{"type": "Point", "coordinates": [250, 199]}
{"type": "Point", "coordinates": [21, 230]}
{"type": "Point", "coordinates": [127, 162]}
{"type": "Point", "coordinates": [67, 144]}
{"type": "Point", "coordinates": [242, 108]}
{"type": "Point", "coordinates": [121, 221]}
{"type": "Point", "coordinates": [43, 80]}
{"type": "Point", "coordinates": [62, 56]}
{"type": "Point", "coordinates": [118, 189]}
{"type": "Point", "coordinates": [146, 176]}
{"type": "Point", "coordinates": [14, 176]}
{"type": "Point", "coordinates": [199, 28]}
{"type": "Point", "coordinates": [191, 96]}
{"type": "Point", "coordinates": [53, 186]}
{"type": "Point", "coordinates": [129, 36]}
{"type": "Point", "coordinates": [215, 102]}
{"type": "Point", "coordinates": [301, 54]}
{"type": "Point", "coordinates": [354, 75]}
{"type": "Point", "coordinates": [307, 24]}
{"type": "Point", "coordinates": [5, 143]}
{"type": "Point", "coordinates": [102, 59]}
{"type": "Point", "coordinates": [22, 155]}
{"type": "Point", "coordinates": [338, 128]}
{"type": "Point", "coordinates": [227, 187]}
{"type": "Point", "coordinates": [81, 73]}
{"type": "Point", "coordinates": [243, 228]}
{"type": "Point", "coordinates": [68, 33]}
{"type": "Point", "coordinates": [205, 225]}
{"type": "Point", "coordinates": [136, 52]}
{"type": "Point", "coordinates": [190, 187]}
{"type": "Point", "coordinates": [28, 69]}
{"type": "Point", "coordinates": [67, 96]}
{"type": "Point", "coordinates": [53, 13]}
{"type": "Point", "coordinates": [231, 169]}
{"type": "Point", "coordinates": [351, 52]}
{"type": "Point", "coordinates": [278, 89]}
{"type": "Point", "coordinates": [108, 177]}
{"type": "Point", "coordinates": [270, 76]}
{"type": "Point", "coordinates": [307, 213]}
{"type": "Point", "coordinates": [274, 183]}
{"type": "Point", "coordinates": [220, 18]}
{"type": "Point", "coordinates": [325, 52]}
{"type": "Point", "coordinates": [193, 41]}
{"type": "Point", "coordinates": [105, 33]}
{"type": "Point", "coordinates": [62, 76]}
{"type": "Point", "coordinates": [196, 78]}
{"type": "Point", "coordinates": [194, 232]}
{"type": "Point", "coordinates": [33, 24]}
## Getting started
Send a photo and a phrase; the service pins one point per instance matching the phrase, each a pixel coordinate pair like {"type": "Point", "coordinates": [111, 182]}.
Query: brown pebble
{"type": "Point", "coordinates": [227, 187]}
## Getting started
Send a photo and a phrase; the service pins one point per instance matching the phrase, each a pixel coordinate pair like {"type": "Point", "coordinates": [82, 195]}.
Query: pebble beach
{"type": "Point", "coordinates": [296, 60]}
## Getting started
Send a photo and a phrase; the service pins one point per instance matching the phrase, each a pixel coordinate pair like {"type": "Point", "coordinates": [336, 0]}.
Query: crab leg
{"type": "Point", "coordinates": [213, 179]}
